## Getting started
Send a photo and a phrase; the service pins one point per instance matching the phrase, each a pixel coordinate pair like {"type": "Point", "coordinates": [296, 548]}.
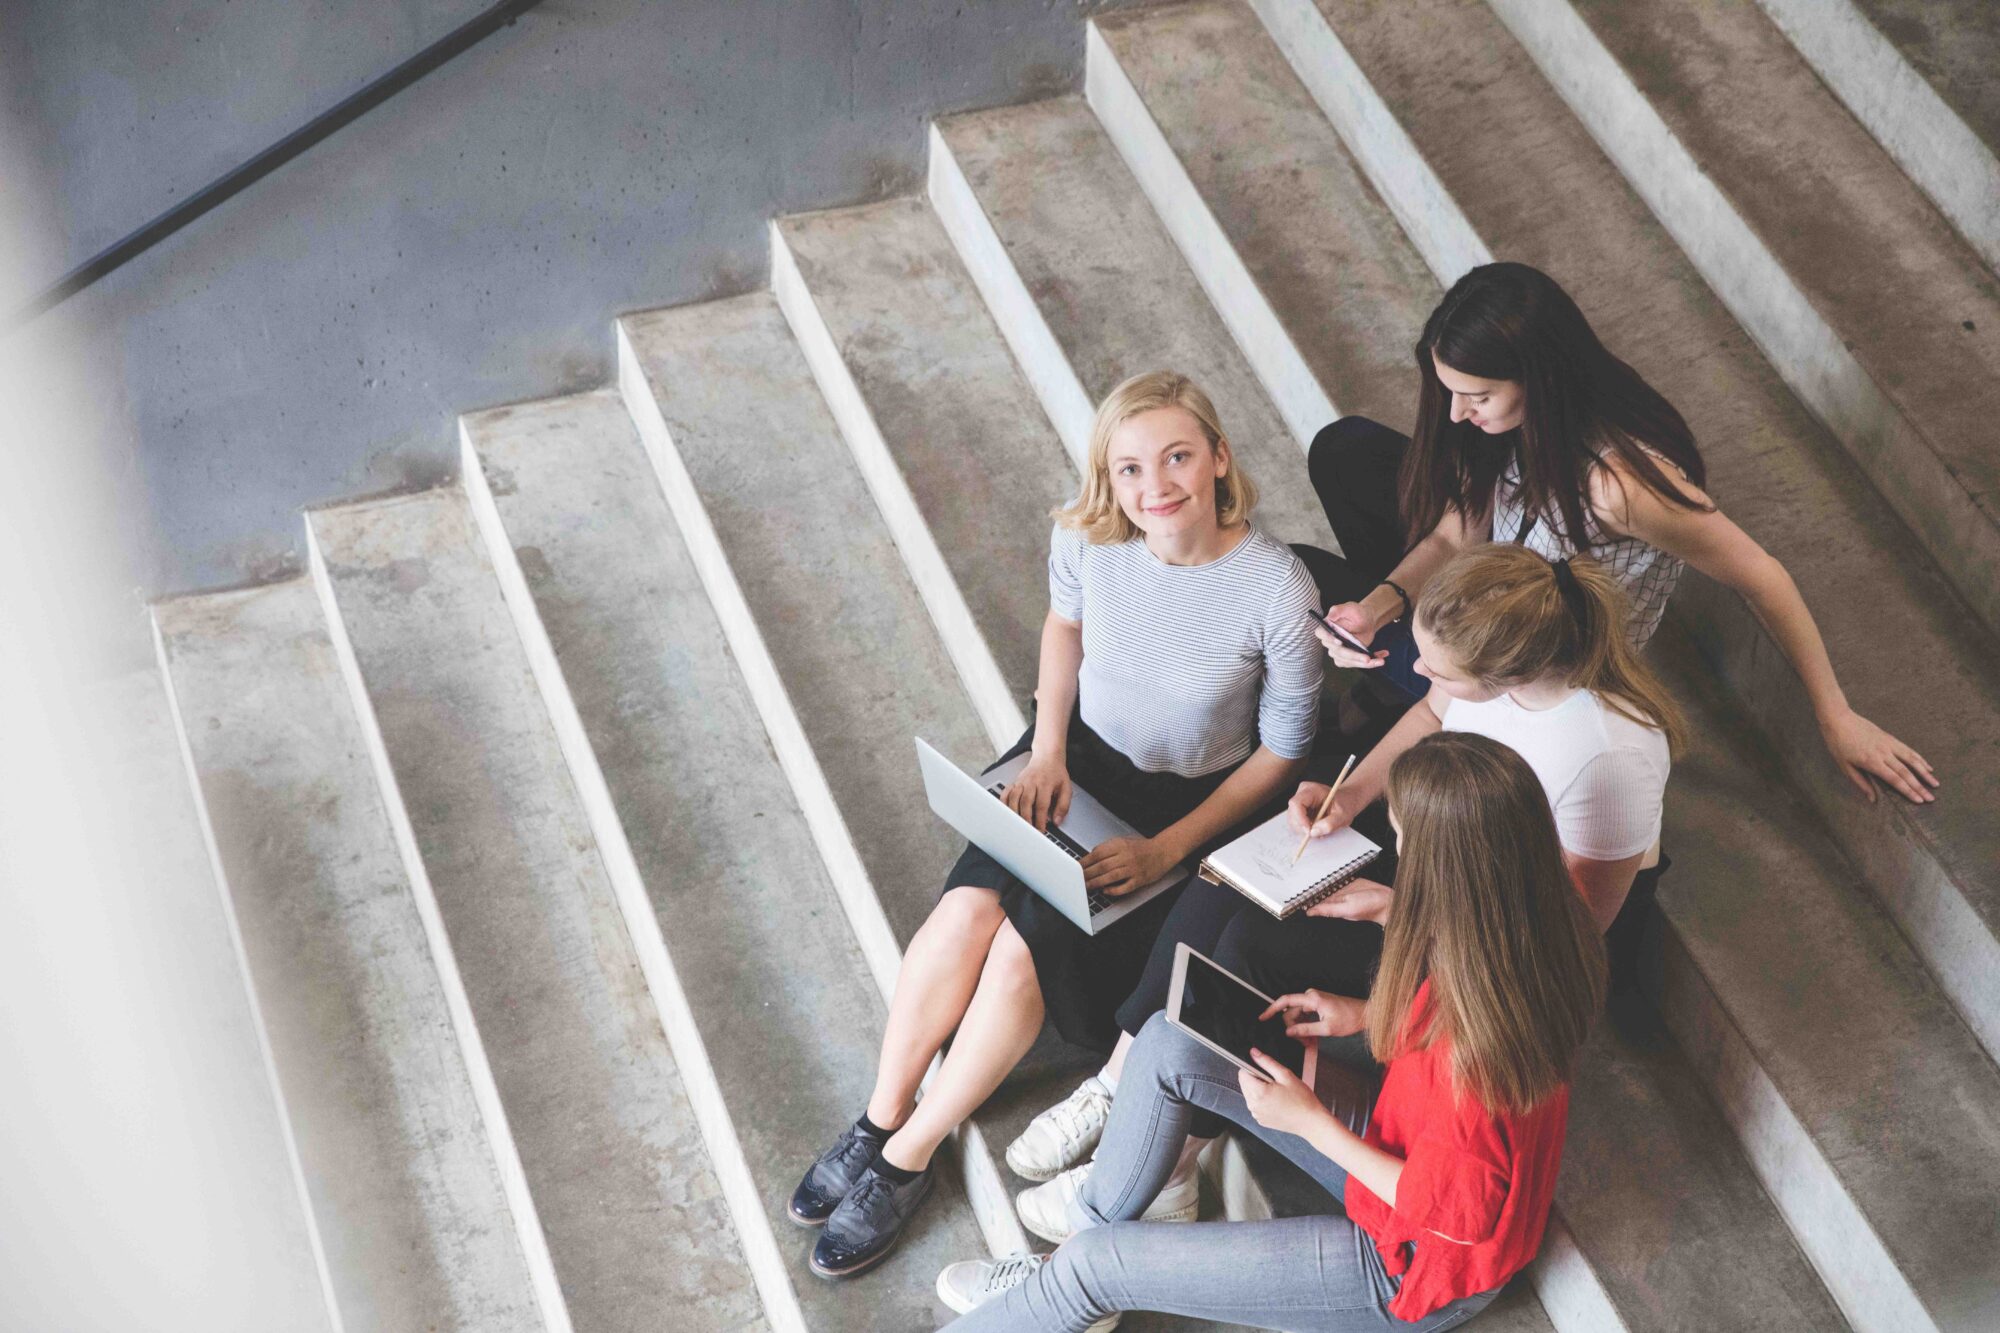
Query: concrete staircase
{"type": "Point", "coordinates": [569, 813]}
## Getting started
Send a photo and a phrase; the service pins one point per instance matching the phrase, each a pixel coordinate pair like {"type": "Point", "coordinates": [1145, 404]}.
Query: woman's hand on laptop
{"type": "Point", "coordinates": [1119, 865]}
{"type": "Point", "coordinates": [1040, 794]}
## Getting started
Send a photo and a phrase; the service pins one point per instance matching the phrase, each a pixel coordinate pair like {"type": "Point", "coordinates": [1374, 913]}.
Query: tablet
{"type": "Point", "coordinates": [1219, 1010]}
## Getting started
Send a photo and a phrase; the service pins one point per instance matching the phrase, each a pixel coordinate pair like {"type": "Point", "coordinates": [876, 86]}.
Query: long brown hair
{"type": "Point", "coordinates": [1508, 617]}
{"type": "Point", "coordinates": [1487, 914]}
{"type": "Point", "coordinates": [1512, 322]}
{"type": "Point", "coordinates": [1095, 512]}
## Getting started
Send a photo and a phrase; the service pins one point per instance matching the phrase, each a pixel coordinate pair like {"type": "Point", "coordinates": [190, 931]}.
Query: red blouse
{"type": "Point", "coordinates": [1476, 1185]}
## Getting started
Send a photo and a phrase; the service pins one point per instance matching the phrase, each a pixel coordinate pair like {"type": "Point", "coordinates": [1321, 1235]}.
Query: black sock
{"type": "Point", "coordinates": [890, 1171]}
{"type": "Point", "coordinates": [871, 1129]}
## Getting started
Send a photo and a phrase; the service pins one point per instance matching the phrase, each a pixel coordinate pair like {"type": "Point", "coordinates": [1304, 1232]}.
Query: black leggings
{"type": "Point", "coordinates": [1354, 464]}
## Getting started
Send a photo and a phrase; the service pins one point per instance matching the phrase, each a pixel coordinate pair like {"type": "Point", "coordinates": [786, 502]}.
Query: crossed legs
{"type": "Point", "coordinates": [966, 970]}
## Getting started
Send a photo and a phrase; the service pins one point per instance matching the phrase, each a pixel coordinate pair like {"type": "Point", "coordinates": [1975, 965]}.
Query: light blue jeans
{"type": "Point", "coordinates": [1299, 1274]}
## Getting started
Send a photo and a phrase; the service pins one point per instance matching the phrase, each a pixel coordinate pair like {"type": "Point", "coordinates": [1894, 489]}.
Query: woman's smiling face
{"type": "Point", "coordinates": [1494, 406]}
{"type": "Point", "coordinates": [1164, 470]}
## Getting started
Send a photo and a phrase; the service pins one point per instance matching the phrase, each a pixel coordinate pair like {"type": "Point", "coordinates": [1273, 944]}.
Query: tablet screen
{"type": "Point", "coordinates": [1224, 1010]}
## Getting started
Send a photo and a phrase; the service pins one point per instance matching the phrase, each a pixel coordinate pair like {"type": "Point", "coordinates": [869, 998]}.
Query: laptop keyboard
{"type": "Point", "coordinates": [1097, 901]}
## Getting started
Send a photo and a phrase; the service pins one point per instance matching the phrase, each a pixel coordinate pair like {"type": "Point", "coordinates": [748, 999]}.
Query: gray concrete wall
{"type": "Point", "coordinates": [465, 245]}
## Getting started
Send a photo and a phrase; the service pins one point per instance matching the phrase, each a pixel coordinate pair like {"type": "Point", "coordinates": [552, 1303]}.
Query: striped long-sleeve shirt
{"type": "Point", "coordinates": [1187, 667]}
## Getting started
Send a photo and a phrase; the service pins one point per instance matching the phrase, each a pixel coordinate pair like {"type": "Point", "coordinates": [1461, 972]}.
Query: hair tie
{"type": "Point", "coordinates": [1569, 589]}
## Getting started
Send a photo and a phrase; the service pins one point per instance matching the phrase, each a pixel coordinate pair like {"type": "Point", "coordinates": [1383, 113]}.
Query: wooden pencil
{"type": "Point", "coordinates": [1324, 806]}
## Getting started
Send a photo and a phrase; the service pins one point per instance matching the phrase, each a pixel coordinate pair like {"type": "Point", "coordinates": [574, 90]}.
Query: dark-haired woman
{"type": "Point", "coordinates": [1529, 430]}
{"type": "Point", "coordinates": [1489, 983]}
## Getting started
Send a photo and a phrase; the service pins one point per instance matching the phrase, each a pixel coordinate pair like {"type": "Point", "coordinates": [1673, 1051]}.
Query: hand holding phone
{"type": "Point", "coordinates": [1346, 638]}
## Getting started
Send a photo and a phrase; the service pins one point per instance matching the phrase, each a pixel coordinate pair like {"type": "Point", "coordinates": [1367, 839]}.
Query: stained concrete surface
{"type": "Point", "coordinates": [619, 1171]}
{"type": "Point", "coordinates": [1955, 44]}
{"type": "Point", "coordinates": [400, 1170]}
{"type": "Point", "coordinates": [982, 461]}
{"type": "Point", "coordinates": [465, 244]}
{"type": "Point", "coordinates": [1803, 962]}
{"type": "Point", "coordinates": [822, 577]}
{"type": "Point", "coordinates": [1348, 287]}
{"type": "Point", "coordinates": [779, 990]}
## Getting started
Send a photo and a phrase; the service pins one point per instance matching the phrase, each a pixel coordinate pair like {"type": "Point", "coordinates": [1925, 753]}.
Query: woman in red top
{"type": "Point", "coordinates": [1491, 975]}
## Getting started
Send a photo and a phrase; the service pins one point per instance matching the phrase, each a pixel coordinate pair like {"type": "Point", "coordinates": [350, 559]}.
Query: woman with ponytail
{"type": "Point", "coordinates": [1530, 431]}
{"type": "Point", "coordinates": [1533, 654]}
{"type": "Point", "coordinates": [1491, 977]}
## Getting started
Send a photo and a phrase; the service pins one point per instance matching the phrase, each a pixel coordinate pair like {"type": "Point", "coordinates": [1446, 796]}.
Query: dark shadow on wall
{"type": "Point", "coordinates": [466, 244]}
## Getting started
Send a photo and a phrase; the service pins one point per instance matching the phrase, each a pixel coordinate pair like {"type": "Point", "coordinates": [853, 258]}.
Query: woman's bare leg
{"type": "Point", "coordinates": [940, 971]}
{"type": "Point", "coordinates": [998, 1028]}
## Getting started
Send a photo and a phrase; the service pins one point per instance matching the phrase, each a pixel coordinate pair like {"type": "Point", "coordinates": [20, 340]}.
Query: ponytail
{"type": "Point", "coordinates": [1508, 617]}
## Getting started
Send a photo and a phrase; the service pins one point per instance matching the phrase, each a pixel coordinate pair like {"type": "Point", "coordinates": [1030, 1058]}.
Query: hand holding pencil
{"type": "Point", "coordinates": [1324, 805]}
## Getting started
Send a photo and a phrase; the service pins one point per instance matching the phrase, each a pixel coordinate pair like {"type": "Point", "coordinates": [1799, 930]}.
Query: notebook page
{"type": "Point", "coordinates": [1262, 858]}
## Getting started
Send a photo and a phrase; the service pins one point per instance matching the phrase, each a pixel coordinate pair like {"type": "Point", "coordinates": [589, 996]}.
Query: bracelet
{"type": "Point", "coordinates": [1397, 588]}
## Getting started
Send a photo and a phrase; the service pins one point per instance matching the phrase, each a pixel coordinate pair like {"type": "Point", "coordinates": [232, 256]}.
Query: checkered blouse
{"type": "Point", "coordinates": [1647, 573]}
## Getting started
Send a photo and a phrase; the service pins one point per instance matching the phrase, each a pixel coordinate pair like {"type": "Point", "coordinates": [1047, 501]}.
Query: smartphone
{"type": "Point", "coordinates": [1343, 635]}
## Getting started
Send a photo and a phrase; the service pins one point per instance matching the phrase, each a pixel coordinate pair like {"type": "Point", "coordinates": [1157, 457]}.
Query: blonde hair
{"type": "Point", "coordinates": [1095, 512]}
{"type": "Point", "coordinates": [1504, 614]}
{"type": "Point", "coordinates": [1487, 914]}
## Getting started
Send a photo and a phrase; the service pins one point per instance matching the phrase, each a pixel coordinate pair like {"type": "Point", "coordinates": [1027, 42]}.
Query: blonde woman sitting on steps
{"type": "Point", "coordinates": [1179, 686]}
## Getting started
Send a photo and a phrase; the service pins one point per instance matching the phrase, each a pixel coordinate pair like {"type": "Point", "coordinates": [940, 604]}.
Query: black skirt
{"type": "Point", "coordinates": [1083, 977]}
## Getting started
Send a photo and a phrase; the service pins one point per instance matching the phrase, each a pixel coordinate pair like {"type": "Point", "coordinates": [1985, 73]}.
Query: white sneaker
{"type": "Point", "coordinates": [1046, 1209]}
{"type": "Point", "coordinates": [963, 1287]}
{"type": "Point", "coordinates": [1063, 1135]}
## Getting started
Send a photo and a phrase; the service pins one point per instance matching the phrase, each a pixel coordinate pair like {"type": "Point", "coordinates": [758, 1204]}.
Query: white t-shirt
{"type": "Point", "coordinates": [1604, 774]}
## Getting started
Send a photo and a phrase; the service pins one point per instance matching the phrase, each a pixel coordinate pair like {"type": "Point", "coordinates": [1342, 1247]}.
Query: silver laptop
{"type": "Point", "coordinates": [1049, 863]}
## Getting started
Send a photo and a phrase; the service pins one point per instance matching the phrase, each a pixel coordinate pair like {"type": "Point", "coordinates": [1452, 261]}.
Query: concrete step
{"type": "Point", "coordinates": [1672, 1227]}
{"type": "Point", "coordinates": [833, 635]}
{"type": "Point", "coordinates": [942, 424]}
{"type": "Point", "coordinates": [406, 1190]}
{"type": "Point", "coordinates": [253, 1256]}
{"type": "Point", "coordinates": [1503, 168]}
{"type": "Point", "coordinates": [1919, 75]}
{"type": "Point", "coordinates": [527, 927]}
{"type": "Point", "coordinates": [814, 599]}
{"type": "Point", "coordinates": [1344, 299]}
{"type": "Point", "coordinates": [1883, 321]}
{"type": "Point", "coordinates": [1089, 288]}
{"type": "Point", "coordinates": [593, 567]}
{"type": "Point", "coordinates": [1869, 1110]}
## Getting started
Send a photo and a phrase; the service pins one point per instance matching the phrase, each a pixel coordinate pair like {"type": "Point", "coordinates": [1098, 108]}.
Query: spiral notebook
{"type": "Point", "coordinates": [1259, 866]}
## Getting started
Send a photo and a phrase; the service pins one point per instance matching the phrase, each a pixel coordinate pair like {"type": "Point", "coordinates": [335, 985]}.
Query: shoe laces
{"type": "Point", "coordinates": [1010, 1273]}
{"type": "Point", "coordinates": [1067, 1115]}
{"type": "Point", "coordinates": [871, 1186]}
{"type": "Point", "coordinates": [852, 1143]}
